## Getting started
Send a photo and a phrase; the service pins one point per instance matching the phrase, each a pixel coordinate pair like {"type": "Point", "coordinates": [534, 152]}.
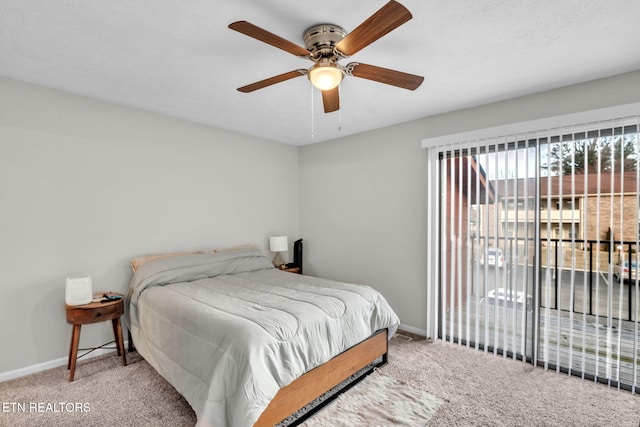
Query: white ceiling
{"type": "Point", "coordinates": [179, 58]}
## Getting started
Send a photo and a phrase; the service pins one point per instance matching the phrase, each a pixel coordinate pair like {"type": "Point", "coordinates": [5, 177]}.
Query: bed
{"type": "Point", "coordinates": [247, 344]}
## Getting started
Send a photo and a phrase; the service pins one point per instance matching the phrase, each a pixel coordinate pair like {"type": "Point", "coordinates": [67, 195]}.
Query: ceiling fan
{"type": "Point", "coordinates": [326, 44]}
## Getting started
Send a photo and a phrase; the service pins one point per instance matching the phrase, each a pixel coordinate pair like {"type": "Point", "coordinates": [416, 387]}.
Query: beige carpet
{"type": "Point", "coordinates": [477, 389]}
{"type": "Point", "coordinates": [134, 395]}
{"type": "Point", "coordinates": [482, 389]}
{"type": "Point", "coordinates": [378, 400]}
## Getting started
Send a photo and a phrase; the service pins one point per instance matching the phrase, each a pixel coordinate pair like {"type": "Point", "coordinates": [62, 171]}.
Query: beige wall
{"type": "Point", "coordinates": [85, 185]}
{"type": "Point", "coordinates": [363, 197]}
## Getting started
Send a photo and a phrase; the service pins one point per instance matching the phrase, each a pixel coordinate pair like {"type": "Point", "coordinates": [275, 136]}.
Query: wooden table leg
{"type": "Point", "coordinates": [117, 332]}
{"type": "Point", "coordinates": [73, 336]}
{"type": "Point", "coordinates": [73, 354]}
{"type": "Point", "coordinates": [114, 323]}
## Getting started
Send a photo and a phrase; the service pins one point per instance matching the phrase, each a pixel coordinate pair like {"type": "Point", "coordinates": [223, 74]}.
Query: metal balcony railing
{"type": "Point", "coordinates": [597, 265]}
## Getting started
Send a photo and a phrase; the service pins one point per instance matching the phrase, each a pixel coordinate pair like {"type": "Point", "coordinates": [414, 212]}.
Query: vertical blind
{"type": "Point", "coordinates": [534, 243]}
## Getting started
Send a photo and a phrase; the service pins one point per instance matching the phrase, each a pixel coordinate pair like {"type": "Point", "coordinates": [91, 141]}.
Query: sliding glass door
{"type": "Point", "coordinates": [589, 217]}
{"type": "Point", "coordinates": [488, 218]}
{"type": "Point", "coordinates": [537, 248]}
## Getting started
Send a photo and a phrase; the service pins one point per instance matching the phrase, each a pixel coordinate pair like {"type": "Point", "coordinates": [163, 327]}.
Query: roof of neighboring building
{"type": "Point", "coordinates": [591, 184]}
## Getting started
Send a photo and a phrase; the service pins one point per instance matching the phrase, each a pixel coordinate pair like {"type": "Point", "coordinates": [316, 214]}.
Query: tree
{"type": "Point", "coordinates": [604, 154]}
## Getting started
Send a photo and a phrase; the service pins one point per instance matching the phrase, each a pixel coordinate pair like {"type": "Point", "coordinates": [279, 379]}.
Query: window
{"type": "Point", "coordinates": [568, 204]}
{"type": "Point", "coordinates": [535, 278]}
{"type": "Point", "coordinates": [573, 233]}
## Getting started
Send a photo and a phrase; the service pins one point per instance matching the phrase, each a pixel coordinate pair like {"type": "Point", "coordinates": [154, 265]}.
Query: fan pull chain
{"type": "Point", "coordinates": [340, 110]}
{"type": "Point", "coordinates": [312, 119]}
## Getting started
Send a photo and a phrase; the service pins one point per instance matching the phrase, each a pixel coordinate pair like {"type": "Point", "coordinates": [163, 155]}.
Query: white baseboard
{"type": "Point", "coordinates": [413, 330]}
{"type": "Point", "coordinates": [39, 367]}
{"type": "Point", "coordinates": [28, 370]}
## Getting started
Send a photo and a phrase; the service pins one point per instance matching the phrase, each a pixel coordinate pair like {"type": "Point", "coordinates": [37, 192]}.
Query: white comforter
{"type": "Point", "coordinates": [227, 330]}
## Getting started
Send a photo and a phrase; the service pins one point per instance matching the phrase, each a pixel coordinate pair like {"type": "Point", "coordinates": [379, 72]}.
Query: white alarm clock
{"type": "Point", "coordinates": [78, 290]}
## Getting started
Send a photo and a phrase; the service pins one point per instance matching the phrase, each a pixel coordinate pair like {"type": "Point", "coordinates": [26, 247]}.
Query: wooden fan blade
{"type": "Point", "coordinates": [331, 99]}
{"type": "Point", "coordinates": [265, 36]}
{"type": "Point", "coordinates": [272, 80]}
{"type": "Point", "coordinates": [386, 19]}
{"type": "Point", "coordinates": [386, 76]}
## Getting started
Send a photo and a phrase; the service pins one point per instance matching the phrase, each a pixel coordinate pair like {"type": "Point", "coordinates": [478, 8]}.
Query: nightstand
{"type": "Point", "coordinates": [291, 270]}
{"type": "Point", "coordinates": [94, 312]}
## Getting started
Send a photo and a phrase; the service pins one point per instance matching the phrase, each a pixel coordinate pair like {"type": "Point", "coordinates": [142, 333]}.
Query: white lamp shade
{"type": "Point", "coordinates": [278, 244]}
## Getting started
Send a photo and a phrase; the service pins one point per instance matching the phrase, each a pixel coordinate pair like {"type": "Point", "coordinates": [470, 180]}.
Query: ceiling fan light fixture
{"type": "Point", "coordinates": [325, 75]}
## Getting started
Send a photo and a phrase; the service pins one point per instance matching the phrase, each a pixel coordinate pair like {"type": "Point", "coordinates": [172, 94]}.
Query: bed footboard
{"type": "Point", "coordinates": [316, 382]}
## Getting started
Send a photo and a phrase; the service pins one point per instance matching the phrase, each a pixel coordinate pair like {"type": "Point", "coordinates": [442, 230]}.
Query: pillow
{"type": "Point", "coordinates": [138, 261]}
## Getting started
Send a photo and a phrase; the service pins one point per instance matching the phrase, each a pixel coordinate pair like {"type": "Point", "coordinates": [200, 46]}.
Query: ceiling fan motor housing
{"type": "Point", "coordinates": [321, 40]}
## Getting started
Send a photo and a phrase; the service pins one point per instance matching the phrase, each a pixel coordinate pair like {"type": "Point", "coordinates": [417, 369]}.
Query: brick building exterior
{"type": "Point", "coordinates": [582, 207]}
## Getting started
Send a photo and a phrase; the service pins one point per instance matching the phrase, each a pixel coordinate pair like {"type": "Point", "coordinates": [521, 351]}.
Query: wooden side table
{"type": "Point", "coordinates": [93, 313]}
{"type": "Point", "coordinates": [291, 269]}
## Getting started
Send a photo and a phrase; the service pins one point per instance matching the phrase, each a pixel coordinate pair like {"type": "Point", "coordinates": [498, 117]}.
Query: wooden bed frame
{"type": "Point", "coordinates": [372, 353]}
{"type": "Point", "coordinates": [320, 380]}
{"type": "Point", "coordinates": [325, 377]}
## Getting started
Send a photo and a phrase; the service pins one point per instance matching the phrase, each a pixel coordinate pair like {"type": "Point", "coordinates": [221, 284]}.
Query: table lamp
{"type": "Point", "coordinates": [278, 244]}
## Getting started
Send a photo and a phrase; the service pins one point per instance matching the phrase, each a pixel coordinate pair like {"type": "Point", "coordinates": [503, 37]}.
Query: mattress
{"type": "Point", "coordinates": [228, 330]}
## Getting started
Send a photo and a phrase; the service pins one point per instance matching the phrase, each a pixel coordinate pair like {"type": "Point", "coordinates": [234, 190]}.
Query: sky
{"type": "Point", "coordinates": [512, 164]}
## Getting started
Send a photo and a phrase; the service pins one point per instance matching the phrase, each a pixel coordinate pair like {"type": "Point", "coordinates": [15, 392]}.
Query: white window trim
{"type": "Point", "coordinates": [587, 119]}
